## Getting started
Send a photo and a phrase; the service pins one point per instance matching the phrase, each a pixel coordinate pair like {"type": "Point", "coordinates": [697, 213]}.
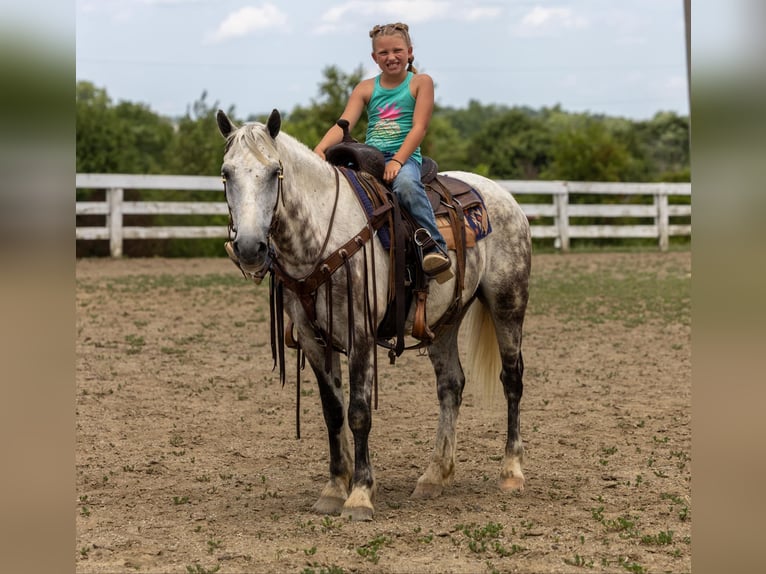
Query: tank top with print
{"type": "Point", "coordinates": [389, 114]}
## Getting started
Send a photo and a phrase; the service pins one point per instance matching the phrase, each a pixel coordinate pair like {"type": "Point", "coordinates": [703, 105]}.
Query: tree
{"type": "Point", "coordinates": [126, 138]}
{"type": "Point", "coordinates": [149, 138]}
{"type": "Point", "coordinates": [665, 142]}
{"type": "Point", "coordinates": [514, 146]}
{"type": "Point", "coordinates": [586, 150]}
{"type": "Point", "coordinates": [310, 124]}
{"type": "Point", "coordinates": [198, 146]}
{"type": "Point", "coordinates": [98, 137]}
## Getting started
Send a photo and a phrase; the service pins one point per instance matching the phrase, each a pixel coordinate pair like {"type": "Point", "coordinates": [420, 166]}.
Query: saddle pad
{"type": "Point", "coordinates": [369, 203]}
{"type": "Point", "coordinates": [477, 226]}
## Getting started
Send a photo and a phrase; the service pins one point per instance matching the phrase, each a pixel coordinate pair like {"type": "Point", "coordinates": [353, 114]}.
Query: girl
{"type": "Point", "coordinates": [399, 104]}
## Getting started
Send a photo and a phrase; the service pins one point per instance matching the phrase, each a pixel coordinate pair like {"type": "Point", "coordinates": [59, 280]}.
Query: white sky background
{"type": "Point", "coordinates": [616, 57]}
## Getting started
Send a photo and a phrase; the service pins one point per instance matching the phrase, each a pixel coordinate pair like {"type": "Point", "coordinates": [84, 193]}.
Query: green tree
{"type": "Point", "coordinates": [309, 124]}
{"type": "Point", "coordinates": [198, 147]}
{"type": "Point", "coordinates": [122, 138]}
{"type": "Point", "coordinates": [149, 138]}
{"type": "Point", "coordinates": [665, 142]}
{"type": "Point", "coordinates": [98, 138]}
{"type": "Point", "coordinates": [515, 145]}
{"type": "Point", "coordinates": [444, 145]}
{"type": "Point", "coordinates": [585, 150]}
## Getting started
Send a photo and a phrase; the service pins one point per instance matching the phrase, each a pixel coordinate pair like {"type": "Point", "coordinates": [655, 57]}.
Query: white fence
{"type": "Point", "coordinates": [549, 220]}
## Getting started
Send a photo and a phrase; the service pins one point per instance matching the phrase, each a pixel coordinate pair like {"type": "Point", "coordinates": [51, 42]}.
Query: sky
{"type": "Point", "coordinates": [622, 58]}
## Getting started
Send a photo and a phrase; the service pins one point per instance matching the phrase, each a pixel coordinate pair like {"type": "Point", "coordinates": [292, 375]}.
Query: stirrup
{"type": "Point", "coordinates": [424, 240]}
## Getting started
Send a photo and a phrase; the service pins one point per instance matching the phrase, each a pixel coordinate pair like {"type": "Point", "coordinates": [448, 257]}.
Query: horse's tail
{"type": "Point", "coordinates": [483, 354]}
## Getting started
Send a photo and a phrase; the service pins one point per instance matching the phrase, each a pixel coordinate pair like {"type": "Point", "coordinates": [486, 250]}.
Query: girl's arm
{"type": "Point", "coordinates": [356, 104]}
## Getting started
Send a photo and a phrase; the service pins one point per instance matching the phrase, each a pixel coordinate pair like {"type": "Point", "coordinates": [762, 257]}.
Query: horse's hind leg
{"type": "Point", "coordinates": [449, 388]}
{"type": "Point", "coordinates": [508, 324]}
{"type": "Point", "coordinates": [335, 492]}
{"type": "Point", "coordinates": [511, 476]}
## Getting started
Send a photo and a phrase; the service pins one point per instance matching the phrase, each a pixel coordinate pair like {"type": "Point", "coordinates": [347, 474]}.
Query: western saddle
{"type": "Point", "coordinates": [450, 198]}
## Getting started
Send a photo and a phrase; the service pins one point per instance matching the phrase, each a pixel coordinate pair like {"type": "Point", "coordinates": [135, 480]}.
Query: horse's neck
{"type": "Point", "coordinates": [316, 208]}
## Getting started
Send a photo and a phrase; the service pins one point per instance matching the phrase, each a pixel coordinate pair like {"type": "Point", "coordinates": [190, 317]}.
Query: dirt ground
{"type": "Point", "coordinates": [187, 459]}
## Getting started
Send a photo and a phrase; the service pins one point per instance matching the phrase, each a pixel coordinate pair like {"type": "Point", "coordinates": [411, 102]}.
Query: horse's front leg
{"type": "Point", "coordinates": [335, 492]}
{"type": "Point", "coordinates": [450, 381]}
{"type": "Point", "coordinates": [359, 504]}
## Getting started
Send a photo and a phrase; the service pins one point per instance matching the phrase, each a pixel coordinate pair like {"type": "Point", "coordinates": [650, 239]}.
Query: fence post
{"type": "Point", "coordinates": [114, 220]}
{"type": "Point", "coordinates": [662, 219]}
{"type": "Point", "coordinates": [562, 217]}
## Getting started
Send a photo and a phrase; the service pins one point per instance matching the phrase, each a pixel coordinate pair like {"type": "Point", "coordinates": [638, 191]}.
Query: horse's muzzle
{"type": "Point", "coordinates": [253, 257]}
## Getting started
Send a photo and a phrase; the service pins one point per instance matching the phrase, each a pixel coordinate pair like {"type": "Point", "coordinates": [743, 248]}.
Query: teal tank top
{"type": "Point", "coordinates": [389, 114]}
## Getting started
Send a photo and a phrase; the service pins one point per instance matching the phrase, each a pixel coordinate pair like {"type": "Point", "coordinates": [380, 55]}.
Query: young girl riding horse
{"type": "Point", "coordinates": [399, 104]}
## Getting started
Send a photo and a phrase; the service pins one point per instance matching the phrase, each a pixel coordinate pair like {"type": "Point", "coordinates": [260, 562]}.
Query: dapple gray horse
{"type": "Point", "coordinates": [290, 208]}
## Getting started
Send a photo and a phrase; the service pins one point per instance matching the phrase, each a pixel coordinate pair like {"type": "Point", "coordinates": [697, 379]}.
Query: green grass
{"type": "Point", "coordinates": [623, 293]}
{"type": "Point", "coordinates": [370, 550]}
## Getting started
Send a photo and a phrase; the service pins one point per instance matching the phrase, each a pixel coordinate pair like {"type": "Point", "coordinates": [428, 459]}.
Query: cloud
{"type": "Point", "coordinates": [337, 17]}
{"type": "Point", "coordinates": [248, 20]}
{"type": "Point", "coordinates": [548, 21]}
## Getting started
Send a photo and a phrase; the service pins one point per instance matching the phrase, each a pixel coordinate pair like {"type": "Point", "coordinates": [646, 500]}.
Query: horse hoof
{"type": "Point", "coordinates": [427, 490]}
{"type": "Point", "coordinates": [357, 514]}
{"type": "Point", "coordinates": [328, 505]}
{"type": "Point", "coordinates": [511, 484]}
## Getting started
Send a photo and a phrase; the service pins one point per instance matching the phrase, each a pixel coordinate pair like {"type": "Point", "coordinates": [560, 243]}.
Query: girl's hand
{"type": "Point", "coordinates": [392, 170]}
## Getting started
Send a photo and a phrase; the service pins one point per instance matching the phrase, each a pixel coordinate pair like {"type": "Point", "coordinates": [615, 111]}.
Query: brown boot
{"type": "Point", "coordinates": [437, 265]}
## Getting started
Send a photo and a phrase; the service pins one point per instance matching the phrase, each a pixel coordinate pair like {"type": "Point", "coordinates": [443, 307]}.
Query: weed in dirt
{"type": "Point", "coordinates": [597, 513]}
{"type": "Point", "coordinates": [199, 569]}
{"type": "Point", "coordinates": [213, 545]}
{"type": "Point", "coordinates": [329, 524]}
{"type": "Point", "coordinates": [172, 351]}
{"type": "Point", "coordinates": [135, 344]}
{"type": "Point", "coordinates": [631, 566]}
{"type": "Point", "coordinates": [370, 550]}
{"type": "Point", "coordinates": [579, 561]}
{"type": "Point", "coordinates": [322, 569]}
{"type": "Point", "coordinates": [179, 500]}
{"type": "Point", "coordinates": [624, 525]}
{"type": "Point", "coordinates": [307, 525]}
{"type": "Point", "coordinates": [662, 539]}
{"type": "Point", "coordinates": [177, 440]}
{"type": "Point", "coordinates": [482, 538]}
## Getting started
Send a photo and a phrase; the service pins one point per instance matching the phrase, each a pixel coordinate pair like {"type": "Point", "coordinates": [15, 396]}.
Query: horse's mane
{"type": "Point", "coordinates": [255, 137]}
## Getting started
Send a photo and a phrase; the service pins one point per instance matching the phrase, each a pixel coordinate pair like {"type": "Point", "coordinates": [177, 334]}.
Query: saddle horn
{"type": "Point", "coordinates": [343, 124]}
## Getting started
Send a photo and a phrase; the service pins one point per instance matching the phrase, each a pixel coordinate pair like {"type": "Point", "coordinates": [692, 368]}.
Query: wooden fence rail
{"type": "Point", "coordinates": [551, 219]}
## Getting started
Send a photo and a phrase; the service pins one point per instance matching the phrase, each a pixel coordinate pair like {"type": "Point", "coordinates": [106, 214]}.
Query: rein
{"type": "Point", "coordinates": [306, 289]}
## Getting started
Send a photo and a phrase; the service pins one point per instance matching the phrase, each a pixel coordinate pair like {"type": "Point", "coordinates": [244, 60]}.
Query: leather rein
{"type": "Point", "coordinates": [306, 290]}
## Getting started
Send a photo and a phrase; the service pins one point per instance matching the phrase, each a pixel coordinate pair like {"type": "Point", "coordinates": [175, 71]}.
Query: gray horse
{"type": "Point", "coordinates": [290, 210]}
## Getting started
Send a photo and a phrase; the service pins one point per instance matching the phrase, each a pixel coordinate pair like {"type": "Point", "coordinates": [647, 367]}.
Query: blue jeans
{"type": "Point", "coordinates": [412, 196]}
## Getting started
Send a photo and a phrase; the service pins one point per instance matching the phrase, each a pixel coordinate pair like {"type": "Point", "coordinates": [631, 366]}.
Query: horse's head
{"type": "Point", "coordinates": [252, 174]}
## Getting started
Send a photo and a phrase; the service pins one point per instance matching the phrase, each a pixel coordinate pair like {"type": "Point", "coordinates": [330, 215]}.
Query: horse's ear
{"type": "Point", "coordinates": [224, 124]}
{"type": "Point", "coordinates": [274, 123]}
